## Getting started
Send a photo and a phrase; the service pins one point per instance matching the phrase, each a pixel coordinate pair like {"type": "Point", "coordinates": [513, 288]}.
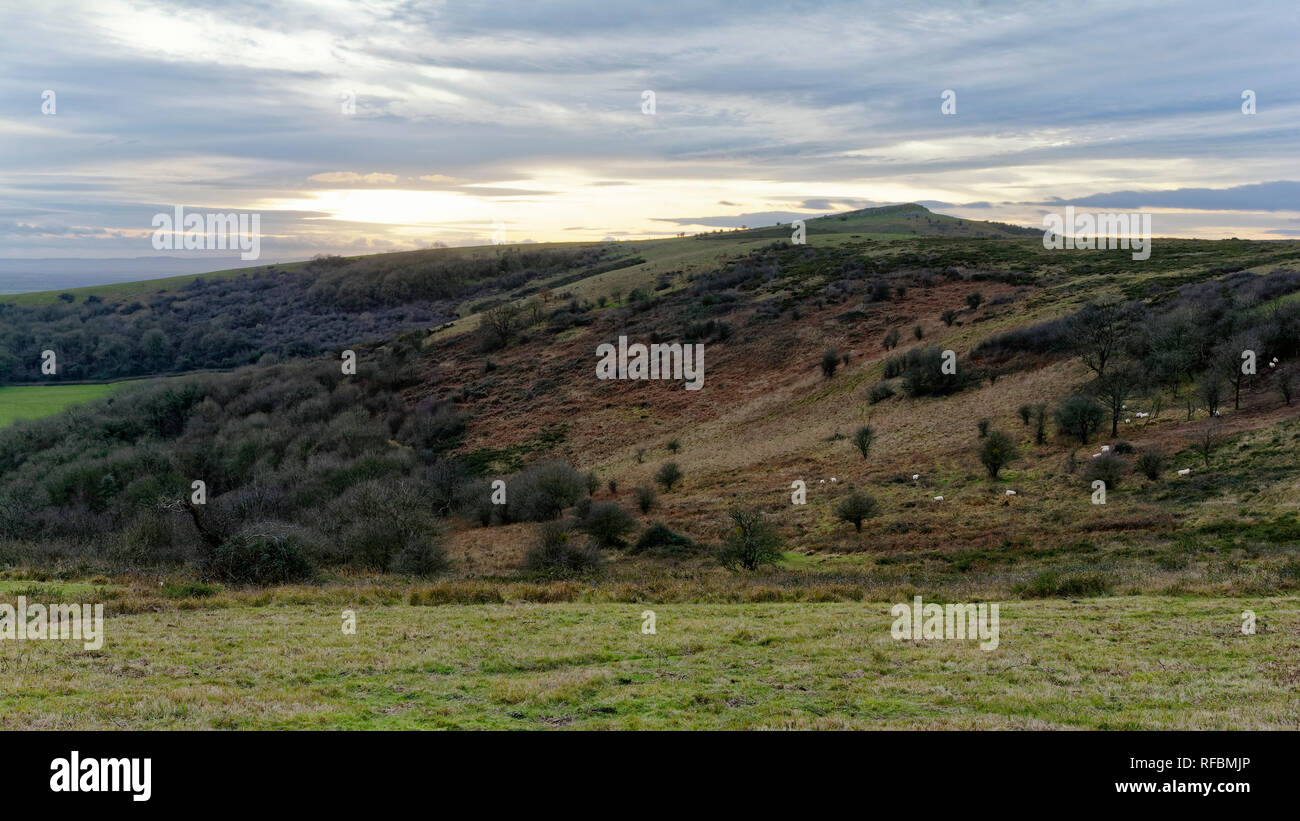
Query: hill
{"type": "Point", "coordinates": [804, 345]}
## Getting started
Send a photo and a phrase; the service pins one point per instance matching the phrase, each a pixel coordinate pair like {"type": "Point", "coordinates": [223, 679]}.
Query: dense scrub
{"type": "Point", "coordinates": [226, 322]}
{"type": "Point", "coordinates": [302, 467]}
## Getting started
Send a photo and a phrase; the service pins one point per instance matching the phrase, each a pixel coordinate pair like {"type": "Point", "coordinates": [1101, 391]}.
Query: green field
{"type": "Point", "coordinates": [282, 661]}
{"type": "Point", "coordinates": [36, 401]}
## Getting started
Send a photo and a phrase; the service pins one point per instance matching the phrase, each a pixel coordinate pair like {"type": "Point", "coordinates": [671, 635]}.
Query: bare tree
{"type": "Point", "coordinates": [1115, 388]}
{"type": "Point", "coordinates": [1097, 331]}
{"type": "Point", "coordinates": [502, 321]}
{"type": "Point", "coordinates": [1209, 439]}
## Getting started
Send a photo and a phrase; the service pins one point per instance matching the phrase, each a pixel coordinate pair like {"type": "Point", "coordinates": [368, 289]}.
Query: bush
{"type": "Point", "coordinates": [983, 427]}
{"type": "Point", "coordinates": [543, 492]}
{"type": "Point", "coordinates": [261, 555]}
{"type": "Point", "coordinates": [1024, 413]}
{"type": "Point", "coordinates": [1151, 463]}
{"type": "Point", "coordinates": [855, 508]}
{"type": "Point", "coordinates": [949, 316]}
{"type": "Point", "coordinates": [863, 438]}
{"type": "Point", "coordinates": [1080, 416]}
{"type": "Point", "coordinates": [558, 555]}
{"type": "Point", "coordinates": [1107, 467]}
{"type": "Point", "coordinates": [891, 339]}
{"type": "Point", "coordinates": [421, 557]}
{"type": "Point", "coordinates": [974, 300]}
{"type": "Point", "coordinates": [830, 361]}
{"type": "Point", "coordinates": [607, 523]}
{"type": "Point", "coordinates": [668, 475]}
{"type": "Point", "coordinates": [1122, 446]}
{"type": "Point", "coordinates": [894, 366]}
{"type": "Point", "coordinates": [918, 332]}
{"type": "Point", "coordinates": [997, 452]}
{"type": "Point", "coordinates": [646, 498]}
{"type": "Point", "coordinates": [752, 541]}
{"type": "Point", "coordinates": [1049, 584]}
{"type": "Point", "coordinates": [659, 539]}
{"type": "Point", "coordinates": [923, 374]}
{"type": "Point", "coordinates": [880, 392]}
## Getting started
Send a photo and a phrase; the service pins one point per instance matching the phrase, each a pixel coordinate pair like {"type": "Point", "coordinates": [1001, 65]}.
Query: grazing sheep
{"type": "Point", "coordinates": [1011, 493]}
{"type": "Point", "coordinates": [1094, 456]}
{"type": "Point", "coordinates": [1105, 448]}
{"type": "Point", "coordinates": [915, 476]}
{"type": "Point", "coordinates": [938, 498]}
{"type": "Point", "coordinates": [1184, 471]}
{"type": "Point", "coordinates": [832, 478]}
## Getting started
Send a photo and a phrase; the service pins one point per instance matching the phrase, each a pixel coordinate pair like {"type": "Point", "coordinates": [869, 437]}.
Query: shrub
{"type": "Point", "coordinates": [855, 508]}
{"type": "Point", "coordinates": [1151, 463]}
{"type": "Point", "coordinates": [1040, 424]}
{"type": "Point", "coordinates": [1050, 584]}
{"type": "Point", "coordinates": [659, 539]}
{"type": "Point", "coordinates": [1024, 413]}
{"type": "Point", "coordinates": [997, 452]}
{"type": "Point", "coordinates": [646, 498]}
{"type": "Point", "coordinates": [1107, 467]}
{"type": "Point", "coordinates": [1080, 416]}
{"type": "Point", "coordinates": [863, 438]}
{"type": "Point", "coordinates": [923, 374]}
{"type": "Point", "coordinates": [674, 445]}
{"type": "Point", "coordinates": [974, 300]}
{"type": "Point", "coordinates": [668, 475]}
{"type": "Point", "coordinates": [543, 492]}
{"type": "Point", "coordinates": [751, 542]}
{"type": "Point", "coordinates": [830, 361]}
{"type": "Point", "coordinates": [607, 523]}
{"type": "Point", "coordinates": [891, 339]}
{"type": "Point", "coordinates": [189, 590]}
{"type": "Point", "coordinates": [918, 331]}
{"type": "Point", "coordinates": [949, 316]}
{"type": "Point", "coordinates": [983, 427]}
{"type": "Point", "coordinates": [1122, 446]}
{"type": "Point", "coordinates": [894, 367]}
{"type": "Point", "coordinates": [880, 392]}
{"type": "Point", "coordinates": [261, 555]}
{"type": "Point", "coordinates": [421, 557]}
{"type": "Point", "coordinates": [558, 555]}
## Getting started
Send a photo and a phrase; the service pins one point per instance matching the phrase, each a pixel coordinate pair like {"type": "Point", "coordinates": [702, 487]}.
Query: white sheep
{"type": "Point", "coordinates": [938, 498]}
{"type": "Point", "coordinates": [833, 479]}
{"type": "Point", "coordinates": [1011, 493]}
{"type": "Point", "coordinates": [1105, 448]}
{"type": "Point", "coordinates": [1094, 456]}
{"type": "Point", "coordinates": [915, 476]}
{"type": "Point", "coordinates": [1184, 471]}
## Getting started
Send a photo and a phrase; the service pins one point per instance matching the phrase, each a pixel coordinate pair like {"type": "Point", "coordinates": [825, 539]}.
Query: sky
{"type": "Point", "coordinates": [358, 127]}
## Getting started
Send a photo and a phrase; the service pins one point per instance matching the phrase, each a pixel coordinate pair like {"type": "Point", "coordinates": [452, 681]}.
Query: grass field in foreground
{"type": "Point", "coordinates": [1115, 663]}
{"type": "Point", "coordinates": [35, 401]}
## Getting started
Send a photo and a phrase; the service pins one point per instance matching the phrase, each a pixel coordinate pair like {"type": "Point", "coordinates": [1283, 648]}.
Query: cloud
{"type": "Point", "coordinates": [1281, 195]}
{"type": "Point", "coordinates": [353, 178]}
